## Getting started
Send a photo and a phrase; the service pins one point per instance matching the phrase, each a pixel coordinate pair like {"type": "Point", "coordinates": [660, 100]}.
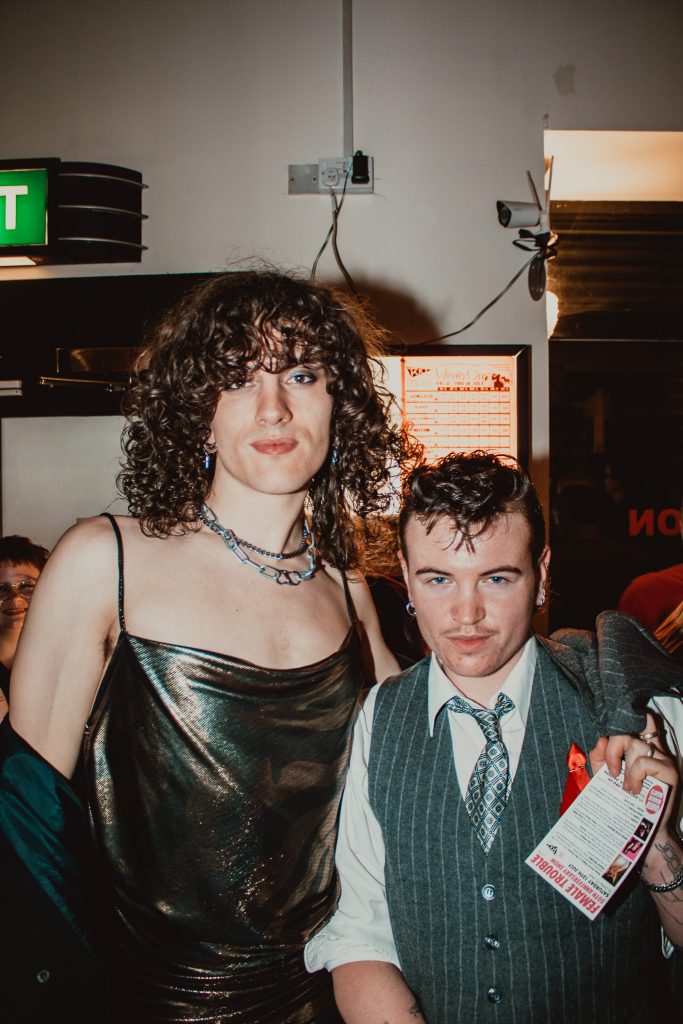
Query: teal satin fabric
{"type": "Point", "coordinates": [43, 820]}
{"type": "Point", "coordinates": [50, 895]}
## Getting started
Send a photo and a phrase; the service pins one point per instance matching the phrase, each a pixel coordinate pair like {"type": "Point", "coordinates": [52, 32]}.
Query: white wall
{"type": "Point", "coordinates": [212, 101]}
{"type": "Point", "coordinates": [56, 470]}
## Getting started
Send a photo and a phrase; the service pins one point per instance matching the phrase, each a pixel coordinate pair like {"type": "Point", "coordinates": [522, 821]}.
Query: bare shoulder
{"type": "Point", "coordinates": [66, 641]}
{"type": "Point", "coordinates": [82, 565]}
{"type": "Point", "coordinates": [361, 596]}
{"type": "Point", "coordinates": [381, 662]}
{"type": "Point", "coordinates": [89, 538]}
{"type": "Point", "coordinates": [358, 590]}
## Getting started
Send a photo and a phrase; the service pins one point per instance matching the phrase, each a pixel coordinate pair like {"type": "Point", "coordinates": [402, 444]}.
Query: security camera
{"type": "Point", "coordinates": [512, 214]}
{"type": "Point", "coordinates": [518, 215]}
{"type": "Point", "coordinates": [535, 236]}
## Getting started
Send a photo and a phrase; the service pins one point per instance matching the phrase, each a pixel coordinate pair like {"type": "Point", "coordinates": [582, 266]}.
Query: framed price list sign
{"type": "Point", "coordinates": [458, 398]}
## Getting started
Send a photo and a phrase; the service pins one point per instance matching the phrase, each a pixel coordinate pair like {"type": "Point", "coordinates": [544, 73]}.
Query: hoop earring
{"type": "Point", "coordinates": [410, 608]}
{"type": "Point", "coordinates": [208, 456]}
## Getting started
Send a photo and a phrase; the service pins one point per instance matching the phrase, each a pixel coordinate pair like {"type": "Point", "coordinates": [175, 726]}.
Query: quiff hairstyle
{"type": "Point", "coordinates": [473, 490]}
{"type": "Point", "coordinates": [17, 550]}
{"type": "Point", "coordinates": [219, 334]}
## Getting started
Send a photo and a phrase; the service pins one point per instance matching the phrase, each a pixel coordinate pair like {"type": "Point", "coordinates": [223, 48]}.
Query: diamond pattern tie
{"type": "Point", "coordinates": [487, 792]}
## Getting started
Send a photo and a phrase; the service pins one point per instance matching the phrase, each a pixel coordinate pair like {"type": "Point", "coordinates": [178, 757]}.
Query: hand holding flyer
{"type": "Point", "coordinates": [595, 845]}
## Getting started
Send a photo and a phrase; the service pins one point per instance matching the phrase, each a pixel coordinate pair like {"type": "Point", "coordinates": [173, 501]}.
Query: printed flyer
{"type": "Point", "coordinates": [598, 841]}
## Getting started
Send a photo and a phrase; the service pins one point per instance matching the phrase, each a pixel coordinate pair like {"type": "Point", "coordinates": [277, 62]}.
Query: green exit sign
{"type": "Point", "coordinates": [23, 206]}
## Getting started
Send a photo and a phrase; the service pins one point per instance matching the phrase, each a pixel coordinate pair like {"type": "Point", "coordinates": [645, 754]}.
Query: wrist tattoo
{"type": "Point", "coordinates": [669, 890]}
{"type": "Point", "coordinates": [671, 857]}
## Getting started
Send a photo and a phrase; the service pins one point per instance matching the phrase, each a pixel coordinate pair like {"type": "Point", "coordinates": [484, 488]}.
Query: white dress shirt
{"type": "Point", "coordinates": [360, 929]}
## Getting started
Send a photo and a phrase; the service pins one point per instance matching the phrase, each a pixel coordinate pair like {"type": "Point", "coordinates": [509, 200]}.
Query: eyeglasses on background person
{"type": "Point", "coordinates": [21, 563]}
{"type": "Point", "coordinates": [23, 588]}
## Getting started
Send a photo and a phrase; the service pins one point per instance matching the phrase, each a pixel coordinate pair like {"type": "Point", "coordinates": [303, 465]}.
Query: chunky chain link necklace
{"type": "Point", "coordinates": [287, 577]}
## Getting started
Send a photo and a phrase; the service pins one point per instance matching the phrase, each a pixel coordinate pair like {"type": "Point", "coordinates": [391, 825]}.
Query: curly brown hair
{"type": "Point", "coordinates": [473, 489]}
{"type": "Point", "coordinates": [222, 331]}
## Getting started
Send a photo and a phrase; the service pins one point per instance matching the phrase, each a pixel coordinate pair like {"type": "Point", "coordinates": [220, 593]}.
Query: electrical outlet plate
{"type": "Point", "coordinates": [328, 173]}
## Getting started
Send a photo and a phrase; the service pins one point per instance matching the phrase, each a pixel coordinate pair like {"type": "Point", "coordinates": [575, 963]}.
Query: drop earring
{"type": "Point", "coordinates": [209, 455]}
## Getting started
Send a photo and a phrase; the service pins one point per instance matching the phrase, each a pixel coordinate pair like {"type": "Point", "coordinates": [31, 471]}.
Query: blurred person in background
{"type": "Point", "coordinates": [21, 562]}
{"type": "Point", "coordinates": [654, 596]}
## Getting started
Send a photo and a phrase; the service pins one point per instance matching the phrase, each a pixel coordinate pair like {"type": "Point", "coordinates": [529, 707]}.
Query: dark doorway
{"type": "Point", "coordinates": [616, 400]}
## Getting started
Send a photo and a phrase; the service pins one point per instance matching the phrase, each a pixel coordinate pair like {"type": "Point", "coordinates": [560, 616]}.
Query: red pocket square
{"type": "Point", "coordinates": [577, 779]}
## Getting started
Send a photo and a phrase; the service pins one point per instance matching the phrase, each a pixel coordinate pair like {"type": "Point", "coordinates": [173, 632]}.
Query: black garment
{"type": "Point", "coordinates": [50, 896]}
{"type": "Point", "coordinates": [213, 787]}
{"type": "Point", "coordinates": [4, 680]}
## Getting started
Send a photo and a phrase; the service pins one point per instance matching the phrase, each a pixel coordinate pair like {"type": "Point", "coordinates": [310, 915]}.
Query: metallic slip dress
{"type": "Point", "coordinates": [213, 790]}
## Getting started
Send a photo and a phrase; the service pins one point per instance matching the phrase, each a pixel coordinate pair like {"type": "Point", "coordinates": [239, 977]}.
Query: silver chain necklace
{"type": "Point", "coordinates": [278, 556]}
{"type": "Point", "coordinates": [287, 577]}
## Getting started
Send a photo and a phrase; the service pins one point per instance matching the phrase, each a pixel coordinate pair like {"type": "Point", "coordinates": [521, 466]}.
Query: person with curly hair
{"type": "Point", "coordinates": [204, 656]}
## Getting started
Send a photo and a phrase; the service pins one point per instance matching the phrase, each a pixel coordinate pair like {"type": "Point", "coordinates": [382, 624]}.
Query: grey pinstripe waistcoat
{"type": "Point", "coordinates": [548, 961]}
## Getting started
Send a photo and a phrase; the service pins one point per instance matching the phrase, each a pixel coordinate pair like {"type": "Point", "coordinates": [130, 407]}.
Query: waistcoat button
{"type": "Point", "coordinates": [491, 942]}
{"type": "Point", "coordinates": [488, 891]}
{"type": "Point", "coordinates": [494, 996]}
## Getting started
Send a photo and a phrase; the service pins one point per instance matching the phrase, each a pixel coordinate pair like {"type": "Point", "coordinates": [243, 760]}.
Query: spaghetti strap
{"type": "Point", "coordinates": [351, 608]}
{"type": "Point", "coordinates": [119, 546]}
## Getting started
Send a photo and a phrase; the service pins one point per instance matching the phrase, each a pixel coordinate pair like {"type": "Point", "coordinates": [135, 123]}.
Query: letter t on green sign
{"type": "Point", "coordinates": [23, 207]}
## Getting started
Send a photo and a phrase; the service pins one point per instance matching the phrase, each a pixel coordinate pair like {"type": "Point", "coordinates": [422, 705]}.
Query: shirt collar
{"type": "Point", "coordinates": [517, 686]}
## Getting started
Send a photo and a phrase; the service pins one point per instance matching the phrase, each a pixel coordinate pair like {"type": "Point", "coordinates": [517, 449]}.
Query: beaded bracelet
{"type": "Point", "coordinates": [668, 886]}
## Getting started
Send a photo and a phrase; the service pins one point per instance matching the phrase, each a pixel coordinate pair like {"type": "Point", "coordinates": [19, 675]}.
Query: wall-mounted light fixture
{"type": "Point", "coordinates": [52, 211]}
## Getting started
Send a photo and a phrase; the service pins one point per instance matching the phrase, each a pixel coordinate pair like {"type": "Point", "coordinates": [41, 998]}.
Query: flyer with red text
{"type": "Point", "coordinates": [598, 841]}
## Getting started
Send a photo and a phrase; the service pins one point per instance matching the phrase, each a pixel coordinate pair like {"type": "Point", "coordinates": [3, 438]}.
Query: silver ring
{"type": "Point", "coordinates": [648, 735]}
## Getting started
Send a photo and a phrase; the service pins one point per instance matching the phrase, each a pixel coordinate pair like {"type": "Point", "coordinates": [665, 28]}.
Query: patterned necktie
{"type": "Point", "coordinates": [487, 792]}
